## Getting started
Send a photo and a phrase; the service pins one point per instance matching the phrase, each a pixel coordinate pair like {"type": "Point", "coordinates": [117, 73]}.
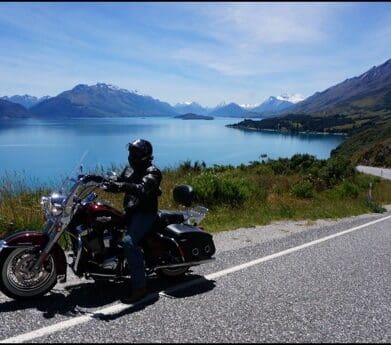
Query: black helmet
{"type": "Point", "coordinates": [140, 152]}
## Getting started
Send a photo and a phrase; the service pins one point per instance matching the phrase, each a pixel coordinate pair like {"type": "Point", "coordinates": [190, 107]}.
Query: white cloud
{"type": "Point", "coordinates": [259, 23]}
{"type": "Point", "coordinates": [258, 38]}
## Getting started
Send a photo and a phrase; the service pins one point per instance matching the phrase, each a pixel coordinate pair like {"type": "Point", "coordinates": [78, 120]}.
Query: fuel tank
{"type": "Point", "coordinates": [95, 213]}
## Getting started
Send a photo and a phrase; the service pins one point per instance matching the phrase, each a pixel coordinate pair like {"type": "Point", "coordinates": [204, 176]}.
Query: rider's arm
{"type": "Point", "coordinates": [116, 187]}
{"type": "Point", "coordinates": [149, 185]}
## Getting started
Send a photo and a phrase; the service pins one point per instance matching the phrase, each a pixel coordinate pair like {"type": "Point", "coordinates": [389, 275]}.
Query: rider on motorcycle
{"type": "Point", "coordinates": [141, 184]}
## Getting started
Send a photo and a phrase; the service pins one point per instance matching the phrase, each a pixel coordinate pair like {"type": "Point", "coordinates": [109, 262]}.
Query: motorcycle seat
{"type": "Point", "coordinates": [170, 217]}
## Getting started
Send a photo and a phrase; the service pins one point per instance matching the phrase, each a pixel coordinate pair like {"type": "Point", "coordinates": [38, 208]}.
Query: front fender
{"type": "Point", "coordinates": [27, 239]}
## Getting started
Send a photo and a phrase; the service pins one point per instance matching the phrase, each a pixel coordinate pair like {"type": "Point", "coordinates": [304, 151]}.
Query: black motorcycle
{"type": "Point", "coordinates": [32, 262]}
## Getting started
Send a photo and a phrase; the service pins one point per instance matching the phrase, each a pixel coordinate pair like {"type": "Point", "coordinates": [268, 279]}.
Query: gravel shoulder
{"type": "Point", "coordinates": [245, 237]}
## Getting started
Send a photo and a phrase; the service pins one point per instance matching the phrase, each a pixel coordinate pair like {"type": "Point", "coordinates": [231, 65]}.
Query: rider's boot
{"type": "Point", "coordinates": [137, 295]}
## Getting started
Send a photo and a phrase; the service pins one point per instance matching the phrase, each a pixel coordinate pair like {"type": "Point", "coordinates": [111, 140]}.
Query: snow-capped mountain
{"type": "Point", "coordinates": [229, 110]}
{"type": "Point", "coordinates": [272, 105]}
{"type": "Point", "coordinates": [249, 106]}
{"type": "Point", "coordinates": [295, 98]}
{"type": "Point", "coordinates": [26, 100]}
{"type": "Point", "coordinates": [190, 107]}
{"type": "Point", "coordinates": [102, 100]}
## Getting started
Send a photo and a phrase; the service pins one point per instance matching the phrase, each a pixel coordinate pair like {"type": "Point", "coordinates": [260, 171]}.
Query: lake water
{"type": "Point", "coordinates": [46, 150]}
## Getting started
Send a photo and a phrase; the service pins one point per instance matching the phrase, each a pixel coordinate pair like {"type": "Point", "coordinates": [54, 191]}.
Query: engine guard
{"type": "Point", "coordinates": [27, 239]}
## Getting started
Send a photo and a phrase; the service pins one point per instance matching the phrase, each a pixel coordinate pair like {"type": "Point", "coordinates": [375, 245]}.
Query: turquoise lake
{"type": "Point", "coordinates": [49, 150]}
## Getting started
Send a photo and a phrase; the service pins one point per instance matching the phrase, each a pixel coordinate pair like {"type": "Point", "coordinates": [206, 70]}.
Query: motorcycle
{"type": "Point", "coordinates": [32, 262]}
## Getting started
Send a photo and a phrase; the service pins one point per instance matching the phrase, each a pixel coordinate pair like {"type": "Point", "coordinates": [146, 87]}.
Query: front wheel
{"type": "Point", "coordinates": [18, 282]}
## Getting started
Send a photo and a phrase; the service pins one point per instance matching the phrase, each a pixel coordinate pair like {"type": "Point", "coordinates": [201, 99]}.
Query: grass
{"type": "Point", "coordinates": [300, 188]}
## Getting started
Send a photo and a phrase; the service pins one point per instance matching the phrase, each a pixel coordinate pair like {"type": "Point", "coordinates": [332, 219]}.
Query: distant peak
{"type": "Point", "coordinates": [248, 106]}
{"type": "Point", "coordinates": [101, 86]}
{"type": "Point", "coordinates": [80, 86]}
{"type": "Point", "coordinates": [295, 98]}
{"type": "Point", "coordinates": [187, 103]}
{"type": "Point", "coordinates": [221, 104]}
{"type": "Point", "coordinates": [108, 86]}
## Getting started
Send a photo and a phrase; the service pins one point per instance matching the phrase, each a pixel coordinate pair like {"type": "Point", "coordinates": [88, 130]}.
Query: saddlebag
{"type": "Point", "coordinates": [195, 243]}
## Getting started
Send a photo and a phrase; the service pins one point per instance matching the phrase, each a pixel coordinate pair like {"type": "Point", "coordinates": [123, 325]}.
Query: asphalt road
{"type": "Point", "coordinates": [323, 282]}
{"type": "Point", "coordinates": [381, 172]}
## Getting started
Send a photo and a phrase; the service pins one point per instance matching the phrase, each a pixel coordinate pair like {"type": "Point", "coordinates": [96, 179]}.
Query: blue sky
{"type": "Point", "coordinates": [203, 52]}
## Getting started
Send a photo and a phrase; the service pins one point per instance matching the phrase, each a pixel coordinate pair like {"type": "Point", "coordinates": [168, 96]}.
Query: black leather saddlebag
{"type": "Point", "coordinates": [195, 243]}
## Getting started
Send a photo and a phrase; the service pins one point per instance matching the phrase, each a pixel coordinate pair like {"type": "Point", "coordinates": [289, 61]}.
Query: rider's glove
{"type": "Point", "coordinates": [111, 187]}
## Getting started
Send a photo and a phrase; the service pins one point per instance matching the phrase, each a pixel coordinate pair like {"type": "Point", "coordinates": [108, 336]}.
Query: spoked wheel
{"type": "Point", "coordinates": [19, 282]}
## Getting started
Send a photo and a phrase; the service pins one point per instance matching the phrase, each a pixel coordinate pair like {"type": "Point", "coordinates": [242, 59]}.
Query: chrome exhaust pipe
{"type": "Point", "coordinates": [182, 264]}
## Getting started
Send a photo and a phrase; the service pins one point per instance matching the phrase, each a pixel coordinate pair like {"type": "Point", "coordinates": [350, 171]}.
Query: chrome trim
{"type": "Point", "coordinates": [62, 278]}
{"type": "Point", "coordinates": [79, 249]}
{"type": "Point", "coordinates": [192, 263]}
{"type": "Point", "coordinates": [3, 244]}
{"type": "Point", "coordinates": [105, 275]}
{"type": "Point", "coordinates": [54, 235]}
{"type": "Point", "coordinates": [21, 245]}
{"type": "Point", "coordinates": [195, 251]}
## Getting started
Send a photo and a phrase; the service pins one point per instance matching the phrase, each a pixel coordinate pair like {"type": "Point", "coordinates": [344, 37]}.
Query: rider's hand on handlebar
{"type": "Point", "coordinates": [109, 186]}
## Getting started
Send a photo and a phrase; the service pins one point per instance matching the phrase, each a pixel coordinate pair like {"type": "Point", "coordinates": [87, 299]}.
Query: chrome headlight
{"type": "Point", "coordinates": [45, 203]}
{"type": "Point", "coordinates": [195, 215]}
{"type": "Point", "coordinates": [53, 205]}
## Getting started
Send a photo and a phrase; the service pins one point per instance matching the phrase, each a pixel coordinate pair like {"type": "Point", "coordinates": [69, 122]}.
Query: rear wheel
{"type": "Point", "coordinates": [171, 273]}
{"type": "Point", "coordinates": [18, 282]}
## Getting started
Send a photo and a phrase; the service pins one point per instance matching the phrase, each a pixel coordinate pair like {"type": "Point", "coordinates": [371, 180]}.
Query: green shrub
{"type": "Point", "coordinates": [347, 189]}
{"type": "Point", "coordinates": [280, 166]}
{"type": "Point", "coordinates": [186, 166]}
{"type": "Point", "coordinates": [335, 170]}
{"type": "Point", "coordinates": [303, 189]}
{"type": "Point", "coordinates": [286, 211]}
{"type": "Point", "coordinates": [301, 162]}
{"type": "Point", "coordinates": [375, 206]}
{"type": "Point", "coordinates": [212, 189]}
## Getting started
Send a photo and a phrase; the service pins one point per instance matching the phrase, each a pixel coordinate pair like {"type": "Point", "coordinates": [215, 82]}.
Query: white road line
{"type": "Point", "coordinates": [116, 308]}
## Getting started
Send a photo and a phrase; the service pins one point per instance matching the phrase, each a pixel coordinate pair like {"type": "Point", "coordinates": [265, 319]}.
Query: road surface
{"type": "Point", "coordinates": [382, 172]}
{"type": "Point", "coordinates": [327, 281]}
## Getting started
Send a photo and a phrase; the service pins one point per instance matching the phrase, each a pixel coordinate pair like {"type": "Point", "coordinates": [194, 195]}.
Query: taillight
{"type": "Point", "coordinates": [181, 252]}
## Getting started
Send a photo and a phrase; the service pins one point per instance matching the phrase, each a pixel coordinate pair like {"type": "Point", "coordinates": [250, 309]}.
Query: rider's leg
{"type": "Point", "coordinates": [138, 225]}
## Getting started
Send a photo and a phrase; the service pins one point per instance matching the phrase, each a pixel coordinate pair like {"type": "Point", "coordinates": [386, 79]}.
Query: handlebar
{"type": "Point", "coordinates": [93, 178]}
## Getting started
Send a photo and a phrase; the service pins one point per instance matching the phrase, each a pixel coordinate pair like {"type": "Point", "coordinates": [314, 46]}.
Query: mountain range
{"type": "Point", "coordinates": [370, 91]}
{"type": "Point", "coordinates": [273, 105]}
{"type": "Point", "coordinates": [191, 107]}
{"type": "Point", "coordinates": [101, 100]}
{"type": "Point", "coordinates": [26, 100]}
{"type": "Point", "coordinates": [12, 110]}
{"type": "Point", "coordinates": [359, 107]}
{"type": "Point", "coordinates": [105, 100]}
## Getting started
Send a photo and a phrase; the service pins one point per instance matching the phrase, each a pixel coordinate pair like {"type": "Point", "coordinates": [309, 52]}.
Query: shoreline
{"type": "Point", "coordinates": [284, 132]}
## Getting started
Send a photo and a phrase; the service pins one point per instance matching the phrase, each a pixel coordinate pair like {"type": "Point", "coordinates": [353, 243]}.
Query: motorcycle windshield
{"type": "Point", "coordinates": [69, 181]}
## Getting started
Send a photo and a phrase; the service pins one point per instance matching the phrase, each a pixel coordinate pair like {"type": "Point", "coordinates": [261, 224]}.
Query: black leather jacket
{"type": "Point", "coordinates": [141, 187]}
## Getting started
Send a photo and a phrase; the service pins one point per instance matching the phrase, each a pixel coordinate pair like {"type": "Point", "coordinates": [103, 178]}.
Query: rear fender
{"type": "Point", "coordinates": [26, 239]}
